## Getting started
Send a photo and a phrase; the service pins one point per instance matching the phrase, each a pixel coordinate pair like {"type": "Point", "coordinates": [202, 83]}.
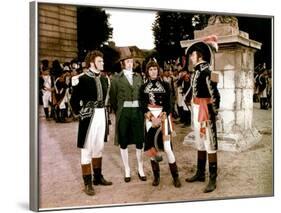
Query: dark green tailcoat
{"type": "Point", "coordinates": [121, 90]}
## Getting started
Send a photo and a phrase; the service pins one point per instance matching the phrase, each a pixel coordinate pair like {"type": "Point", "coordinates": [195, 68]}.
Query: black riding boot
{"type": "Point", "coordinates": [263, 103]}
{"type": "Point", "coordinates": [212, 173]}
{"type": "Point", "coordinates": [87, 177]}
{"type": "Point", "coordinates": [175, 174]}
{"type": "Point", "coordinates": [63, 115]}
{"type": "Point", "coordinates": [98, 177]}
{"type": "Point", "coordinates": [201, 164]}
{"type": "Point", "coordinates": [58, 115]}
{"type": "Point", "coordinates": [156, 172]}
{"type": "Point", "coordinates": [46, 110]}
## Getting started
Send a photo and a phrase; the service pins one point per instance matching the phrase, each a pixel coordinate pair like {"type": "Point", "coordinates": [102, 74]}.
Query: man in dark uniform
{"type": "Point", "coordinates": [157, 106]}
{"type": "Point", "coordinates": [90, 91]}
{"type": "Point", "coordinates": [262, 88]}
{"type": "Point", "coordinates": [205, 105]}
{"type": "Point", "coordinates": [124, 98]}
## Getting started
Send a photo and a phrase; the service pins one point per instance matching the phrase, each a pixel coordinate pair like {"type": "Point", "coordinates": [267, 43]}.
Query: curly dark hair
{"type": "Point", "coordinates": [151, 64]}
{"type": "Point", "coordinates": [90, 57]}
{"type": "Point", "coordinates": [45, 64]}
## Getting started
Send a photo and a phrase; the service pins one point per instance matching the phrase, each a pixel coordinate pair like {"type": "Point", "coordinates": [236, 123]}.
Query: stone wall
{"type": "Point", "coordinates": [236, 85]}
{"type": "Point", "coordinates": [57, 29]}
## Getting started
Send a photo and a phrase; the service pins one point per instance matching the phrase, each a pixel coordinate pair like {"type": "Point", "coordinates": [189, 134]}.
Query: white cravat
{"type": "Point", "coordinates": [94, 71]}
{"type": "Point", "coordinates": [129, 75]}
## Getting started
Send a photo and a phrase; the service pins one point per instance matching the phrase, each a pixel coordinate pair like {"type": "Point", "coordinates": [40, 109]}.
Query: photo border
{"type": "Point", "coordinates": [34, 131]}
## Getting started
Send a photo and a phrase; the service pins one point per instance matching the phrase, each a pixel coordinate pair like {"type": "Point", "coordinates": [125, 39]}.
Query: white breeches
{"type": "Point", "coordinates": [202, 142]}
{"type": "Point", "coordinates": [94, 143]}
{"type": "Point", "coordinates": [169, 152]}
{"type": "Point", "coordinates": [47, 97]}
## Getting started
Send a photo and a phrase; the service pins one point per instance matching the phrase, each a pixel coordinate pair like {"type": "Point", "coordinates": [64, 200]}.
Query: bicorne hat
{"type": "Point", "coordinates": [206, 47]}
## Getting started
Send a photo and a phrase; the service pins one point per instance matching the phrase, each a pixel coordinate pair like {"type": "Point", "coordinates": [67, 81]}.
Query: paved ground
{"type": "Point", "coordinates": [244, 174]}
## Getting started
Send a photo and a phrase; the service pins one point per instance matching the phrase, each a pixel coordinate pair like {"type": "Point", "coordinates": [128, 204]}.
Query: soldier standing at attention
{"type": "Point", "coordinates": [205, 105]}
{"type": "Point", "coordinates": [90, 90]}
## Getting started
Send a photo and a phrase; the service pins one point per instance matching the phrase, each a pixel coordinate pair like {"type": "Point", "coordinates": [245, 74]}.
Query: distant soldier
{"type": "Point", "coordinates": [269, 89]}
{"type": "Point", "coordinates": [46, 86]}
{"type": "Point", "coordinates": [263, 88]}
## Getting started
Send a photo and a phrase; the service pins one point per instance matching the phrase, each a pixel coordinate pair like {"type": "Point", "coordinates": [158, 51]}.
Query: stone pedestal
{"type": "Point", "coordinates": [234, 62]}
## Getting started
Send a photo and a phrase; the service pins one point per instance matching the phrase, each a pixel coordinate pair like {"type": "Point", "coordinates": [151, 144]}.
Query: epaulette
{"type": "Point", "coordinates": [204, 66]}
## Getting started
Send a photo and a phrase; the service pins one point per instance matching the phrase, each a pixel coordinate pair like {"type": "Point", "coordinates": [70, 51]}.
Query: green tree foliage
{"type": "Point", "coordinates": [111, 57]}
{"type": "Point", "coordinates": [169, 29]}
{"type": "Point", "coordinates": [93, 29]}
{"type": "Point", "coordinates": [200, 21]}
{"type": "Point", "coordinates": [259, 29]}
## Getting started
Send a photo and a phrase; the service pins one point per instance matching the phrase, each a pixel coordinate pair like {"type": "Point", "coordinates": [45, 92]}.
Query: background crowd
{"type": "Point", "coordinates": [56, 89]}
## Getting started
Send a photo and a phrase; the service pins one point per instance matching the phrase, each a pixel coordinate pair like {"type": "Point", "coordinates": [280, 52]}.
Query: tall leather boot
{"type": "Point", "coordinates": [46, 110]}
{"type": "Point", "coordinates": [212, 173]}
{"type": "Point", "coordinates": [63, 115]}
{"type": "Point", "coordinates": [52, 114]}
{"type": "Point", "coordinates": [98, 177]}
{"type": "Point", "coordinates": [175, 174]}
{"type": "Point", "coordinates": [58, 115]}
{"type": "Point", "coordinates": [262, 103]}
{"type": "Point", "coordinates": [156, 172]}
{"type": "Point", "coordinates": [87, 177]}
{"type": "Point", "coordinates": [201, 165]}
{"type": "Point", "coordinates": [265, 104]}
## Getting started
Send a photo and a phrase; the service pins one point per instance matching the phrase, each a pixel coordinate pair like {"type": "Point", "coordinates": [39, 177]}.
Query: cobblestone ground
{"type": "Point", "coordinates": [244, 174]}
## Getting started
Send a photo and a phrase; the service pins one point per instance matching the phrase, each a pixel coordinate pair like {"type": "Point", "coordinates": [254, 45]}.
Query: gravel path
{"type": "Point", "coordinates": [245, 174]}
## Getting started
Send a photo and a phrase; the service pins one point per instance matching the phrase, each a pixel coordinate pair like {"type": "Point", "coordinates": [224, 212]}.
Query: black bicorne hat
{"type": "Point", "coordinates": [201, 47]}
{"type": "Point", "coordinates": [206, 46]}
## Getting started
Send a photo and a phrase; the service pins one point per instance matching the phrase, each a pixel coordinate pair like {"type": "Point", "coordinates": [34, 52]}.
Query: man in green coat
{"type": "Point", "coordinates": [124, 96]}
